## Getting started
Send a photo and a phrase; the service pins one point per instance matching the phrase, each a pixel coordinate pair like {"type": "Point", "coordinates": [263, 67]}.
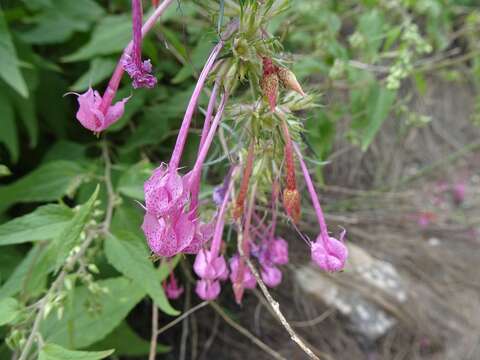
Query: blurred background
{"type": "Point", "coordinates": [397, 137]}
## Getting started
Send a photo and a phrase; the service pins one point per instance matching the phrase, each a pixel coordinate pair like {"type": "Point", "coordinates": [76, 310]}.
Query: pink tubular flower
{"type": "Point", "coordinates": [271, 276]}
{"type": "Point", "coordinates": [209, 265]}
{"type": "Point", "coordinates": [278, 251]}
{"type": "Point", "coordinates": [241, 274]}
{"type": "Point", "coordinates": [172, 290]}
{"type": "Point", "coordinates": [207, 289]}
{"type": "Point", "coordinates": [328, 253]}
{"type": "Point", "coordinates": [132, 62]}
{"type": "Point", "coordinates": [96, 112]}
{"type": "Point", "coordinates": [167, 236]}
{"type": "Point", "coordinates": [165, 191]}
{"type": "Point", "coordinates": [210, 268]}
{"type": "Point", "coordinates": [91, 115]}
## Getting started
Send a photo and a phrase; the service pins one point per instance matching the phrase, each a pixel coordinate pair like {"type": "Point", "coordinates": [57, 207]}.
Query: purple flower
{"type": "Point", "coordinates": [172, 290]}
{"type": "Point", "coordinates": [165, 191]}
{"type": "Point", "coordinates": [90, 112]}
{"type": "Point", "coordinates": [331, 255]}
{"type": "Point", "coordinates": [459, 190]}
{"type": "Point", "coordinates": [241, 273]}
{"type": "Point", "coordinates": [132, 62]}
{"type": "Point", "coordinates": [210, 267]}
{"type": "Point", "coordinates": [168, 236]}
{"type": "Point", "coordinates": [203, 233]}
{"type": "Point", "coordinates": [278, 251]}
{"type": "Point", "coordinates": [271, 276]}
{"type": "Point", "coordinates": [207, 289]}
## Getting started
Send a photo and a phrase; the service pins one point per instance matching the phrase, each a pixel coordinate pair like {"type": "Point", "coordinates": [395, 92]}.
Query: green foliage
{"type": "Point", "coordinates": [55, 352]}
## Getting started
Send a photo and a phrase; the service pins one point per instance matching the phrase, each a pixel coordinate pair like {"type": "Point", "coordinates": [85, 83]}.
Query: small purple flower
{"type": "Point", "coordinates": [330, 255]}
{"type": "Point", "coordinates": [278, 251]}
{"type": "Point", "coordinates": [90, 114]}
{"type": "Point", "coordinates": [207, 289]}
{"type": "Point", "coordinates": [208, 267]}
{"type": "Point", "coordinates": [458, 191]}
{"type": "Point", "coordinates": [241, 273]}
{"type": "Point", "coordinates": [172, 290]}
{"type": "Point", "coordinates": [271, 276]}
{"type": "Point", "coordinates": [139, 71]}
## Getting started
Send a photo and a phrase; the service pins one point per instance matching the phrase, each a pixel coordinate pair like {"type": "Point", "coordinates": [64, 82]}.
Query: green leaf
{"type": "Point", "coordinates": [9, 308]}
{"type": "Point", "coordinates": [109, 37]}
{"type": "Point", "coordinates": [47, 183]}
{"type": "Point", "coordinates": [10, 257]}
{"type": "Point", "coordinates": [8, 128]}
{"type": "Point", "coordinates": [22, 273]}
{"type": "Point", "coordinates": [46, 222]}
{"type": "Point", "coordinates": [80, 326]}
{"type": "Point", "coordinates": [378, 108]}
{"type": "Point", "coordinates": [131, 181]}
{"type": "Point", "coordinates": [59, 22]}
{"type": "Point", "coordinates": [100, 69]}
{"type": "Point", "coordinates": [10, 69]}
{"type": "Point", "coordinates": [127, 343]}
{"type": "Point", "coordinates": [56, 352]}
{"type": "Point", "coordinates": [130, 256]}
{"type": "Point", "coordinates": [67, 239]}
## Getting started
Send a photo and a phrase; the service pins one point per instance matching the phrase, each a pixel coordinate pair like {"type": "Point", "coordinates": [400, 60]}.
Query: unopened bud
{"type": "Point", "coordinates": [289, 80]}
{"type": "Point", "coordinates": [291, 202]}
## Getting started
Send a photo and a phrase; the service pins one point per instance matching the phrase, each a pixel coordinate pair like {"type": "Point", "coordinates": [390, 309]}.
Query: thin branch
{"type": "Point", "coordinates": [245, 332]}
{"type": "Point", "coordinates": [181, 317]}
{"type": "Point", "coordinates": [281, 318]}
{"type": "Point", "coordinates": [109, 186]}
{"type": "Point", "coordinates": [153, 340]}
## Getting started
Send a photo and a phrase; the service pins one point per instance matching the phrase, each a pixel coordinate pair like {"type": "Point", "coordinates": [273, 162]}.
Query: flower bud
{"type": "Point", "coordinates": [289, 80]}
{"type": "Point", "coordinates": [291, 202]}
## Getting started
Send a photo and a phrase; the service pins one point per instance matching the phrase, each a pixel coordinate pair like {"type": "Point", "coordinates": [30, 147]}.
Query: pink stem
{"type": "Point", "coordinates": [313, 196]}
{"type": "Point", "coordinates": [182, 134]}
{"type": "Point", "coordinates": [114, 82]}
{"type": "Point", "coordinates": [208, 140]}
{"type": "Point", "coordinates": [137, 32]}
{"type": "Point", "coordinates": [220, 224]}
{"type": "Point", "coordinates": [195, 189]}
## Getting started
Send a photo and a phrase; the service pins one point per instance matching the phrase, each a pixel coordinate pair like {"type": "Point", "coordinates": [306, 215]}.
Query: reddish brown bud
{"type": "Point", "coordinates": [242, 193]}
{"type": "Point", "coordinates": [289, 80]}
{"type": "Point", "coordinates": [155, 3]}
{"type": "Point", "coordinates": [269, 85]}
{"type": "Point", "coordinates": [291, 202]}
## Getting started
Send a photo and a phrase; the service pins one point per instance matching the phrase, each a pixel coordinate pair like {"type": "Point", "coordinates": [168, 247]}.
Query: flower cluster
{"type": "Point", "coordinates": [263, 164]}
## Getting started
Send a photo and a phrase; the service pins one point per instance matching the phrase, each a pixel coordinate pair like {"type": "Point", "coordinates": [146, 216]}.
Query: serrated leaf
{"type": "Point", "coordinates": [47, 183]}
{"type": "Point", "coordinates": [56, 352]}
{"type": "Point", "coordinates": [129, 255]}
{"type": "Point", "coordinates": [99, 70]}
{"type": "Point", "coordinates": [9, 308]}
{"type": "Point", "coordinates": [127, 343]}
{"type": "Point", "coordinates": [109, 37]}
{"type": "Point", "coordinates": [79, 327]}
{"type": "Point", "coordinates": [46, 222]}
{"type": "Point", "coordinates": [10, 68]}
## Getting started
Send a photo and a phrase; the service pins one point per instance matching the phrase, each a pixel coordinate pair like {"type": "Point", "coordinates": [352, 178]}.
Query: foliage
{"type": "Point", "coordinates": [62, 199]}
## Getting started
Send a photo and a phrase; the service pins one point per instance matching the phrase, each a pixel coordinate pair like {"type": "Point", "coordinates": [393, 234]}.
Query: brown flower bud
{"type": "Point", "coordinates": [289, 80]}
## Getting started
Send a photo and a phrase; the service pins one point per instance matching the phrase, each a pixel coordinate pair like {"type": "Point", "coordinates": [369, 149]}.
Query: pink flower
{"type": "Point", "coordinates": [90, 114]}
{"type": "Point", "coordinates": [132, 62]}
{"type": "Point", "coordinates": [330, 255]}
{"type": "Point", "coordinates": [168, 236]}
{"type": "Point", "coordinates": [278, 251]}
{"type": "Point", "coordinates": [172, 290]}
{"type": "Point", "coordinates": [207, 289]}
{"type": "Point", "coordinates": [203, 233]}
{"type": "Point", "coordinates": [165, 191]}
{"type": "Point", "coordinates": [271, 275]}
{"type": "Point", "coordinates": [210, 268]}
{"type": "Point", "coordinates": [459, 190]}
{"type": "Point", "coordinates": [243, 274]}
